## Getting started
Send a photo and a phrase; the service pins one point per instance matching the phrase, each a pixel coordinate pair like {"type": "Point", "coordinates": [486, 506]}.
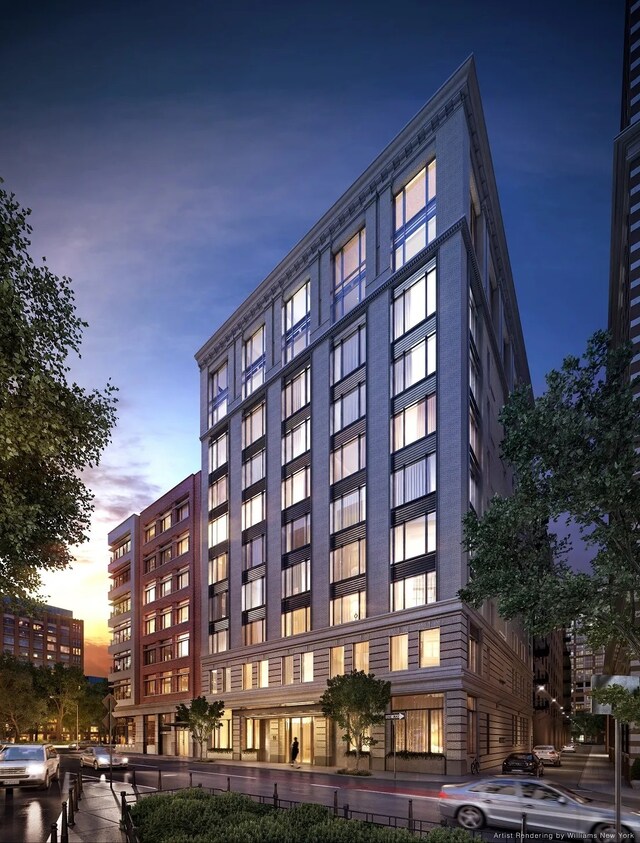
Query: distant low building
{"type": "Point", "coordinates": [51, 635]}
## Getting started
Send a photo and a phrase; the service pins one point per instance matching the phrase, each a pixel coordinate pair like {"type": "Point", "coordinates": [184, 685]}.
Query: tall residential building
{"type": "Point", "coordinates": [155, 619]}
{"type": "Point", "coordinates": [52, 635]}
{"type": "Point", "coordinates": [551, 696]}
{"type": "Point", "coordinates": [349, 420]}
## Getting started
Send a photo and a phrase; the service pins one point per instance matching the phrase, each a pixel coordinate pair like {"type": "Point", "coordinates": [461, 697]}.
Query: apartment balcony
{"type": "Point", "coordinates": [540, 651]}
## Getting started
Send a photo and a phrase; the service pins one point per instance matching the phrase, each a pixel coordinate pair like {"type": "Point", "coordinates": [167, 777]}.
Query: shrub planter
{"type": "Point", "coordinates": [407, 762]}
{"type": "Point", "coordinates": [249, 755]}
{"type": "Point", "coordinates": [220, 754]}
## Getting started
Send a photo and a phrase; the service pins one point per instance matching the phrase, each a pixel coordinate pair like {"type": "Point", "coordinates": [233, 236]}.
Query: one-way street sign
{"type": "Point", "coordinates": [397, 715]}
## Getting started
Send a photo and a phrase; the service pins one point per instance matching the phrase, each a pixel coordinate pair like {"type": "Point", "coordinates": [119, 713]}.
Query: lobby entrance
{"type": "Point", "coordinates": [301, 728]}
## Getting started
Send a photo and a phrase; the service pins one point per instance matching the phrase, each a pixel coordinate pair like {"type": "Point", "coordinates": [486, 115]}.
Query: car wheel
{"type": "Point", "coordinates": [607, 831]}
{"type": "Point", "coordinates": [470, 817]}
{"type": "Point", "coordinates": [56, 778]}
{"type": "Point", "coordinates": [47, 781]}
{"type": "Point", "coordinates": [95, 765]}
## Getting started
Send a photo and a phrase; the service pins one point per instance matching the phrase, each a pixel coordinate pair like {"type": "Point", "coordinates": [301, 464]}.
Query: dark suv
{"type": "Point", "coordinates": [523, 762]}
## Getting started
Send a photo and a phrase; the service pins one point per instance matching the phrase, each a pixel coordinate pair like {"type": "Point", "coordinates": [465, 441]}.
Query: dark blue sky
{"type": "Point", "coordinates": [174, 152]}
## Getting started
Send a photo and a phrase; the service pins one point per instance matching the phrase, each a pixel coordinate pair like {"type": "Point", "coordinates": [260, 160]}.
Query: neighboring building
{"type": "Point", "coordinates": [53, 635]}
{"type": "Point", "coordinates": [585, 662]}
{"type": "Point", "coordinates": [349, 421]}
{"type": "Point", "coordinates": [550, 701]}
{"type": "Point", "coordinates": [155, 619]}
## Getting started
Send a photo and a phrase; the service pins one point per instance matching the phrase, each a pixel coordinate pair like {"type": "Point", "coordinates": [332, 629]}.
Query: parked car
{"type": "Point", "coordinates": [548, 754]}
{"type": "Point", "coordinates": [523, 762]}
{"type": "Point", "coordinates": [29, 765]}
{"type": "Point", "coordinates": [98, 757]}
{"type": "Point", "coordinates": [501, 801]}
{"type": "Point", "coordinates": [568, 747]}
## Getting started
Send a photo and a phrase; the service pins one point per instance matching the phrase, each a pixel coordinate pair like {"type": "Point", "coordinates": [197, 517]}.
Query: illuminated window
{"type": "Point", "coordinates": [253, 469]}
{"type": "Point", "coordinates": [306, 667]}
{"type": "Point", "coordinates": [413, 481]}
{"type": "Point", "coordinates": [165, 555]}
{"type": "Point", "coordinates": [296, 322]}
{"type": "Point", "coordinates": [349, 408]}
{"type": "Point", "coordinates": [218, 452]}
{"type": "Point", "coordinates": [182, 511]}
{"type": "Point", "coordinates": [361, 656]}
{"type": "Point", "coordinates": [348, 561]}
{"type": "Point", "coordinates": [296, 393]}
{"type": "Point", "coordinates": [253, 362]}
{"type": "Point", "coordinates": [415, 215]}
{"type": "Point", "coordinates": [218, 394]}
{"type": "Point", "coordinates": [165, 521]}
{"type": "Point", "coordinates": [182, 645]}
{"type": "Point", "coordinates": [287, 670]}
{"type": "Point", "coordinates": [413, 423]}
{"type": "Point", "coordinates": [296, 487]}
{"type": "Point", "coordinates": [348, 510]}
{"type": "Point", "coordinates": [336, 661]}
{"type": "Point", "coordinates": [413, 591]}
{"type": "Point", "coordinates": [253, 425]}
{"type": "Point", "coordinates": [414, 365]}
{"type": "Point", "coordinates": [296, 533]}
{"type": "Point", "coordinates": [218, 568]}
{"type": "Point", "coordinates": [253, 511]}
{"type": "Point", "coordinates": [349, 354]}
{"type": "Point", "coordinates": [165, 586]}
{"type": "Point", "coordinates": [253, 553]}
{"type": "Point", "coordinates": [150, 532]}
{"type": "Point", "coordinates": [399, 652]}
{"type": "Point", "coordinates": [182, 544]}
{"type": "Point", "coordinates": [218, 530]}
{"type": "Point", "coordinates": [253, 633]}
{"type": "Point", "coordinates": [413, 538]}
{"type": "Point", "coordinates": [296, 579]}
{"type": "Point", "coordinates": [349, 275]}
{"type": "Point", "coordinates": [414, 304]}
{"type": "Point", "coordinates": [348, 458]}
{"type": "Point", "coordinates": [219, 641]}
{"type": "Point", "coordinates": [263, 673]}
{"type": "Point", "coordinates": [430, 647]}
{"type": "Point", "coordinates": [218, 492]}
{"type": "Point", "coordinates": [247, 676]}
{"type": "Point", "coordinates": [253, 594]}
{"type": "Point", "coordinates": [296, 441]}
{"type": "Point", "coordinates": [150, 593]}
{"type": "Point", "coordinates": [165, 619]}
{"type": "Point", "coordinates": [351, 607]}
{"type": "Point", "coordinates": [149, 624]}
{"type": "Point", "coordinates": [296, 621]}
{"type": "Point", "coordinates": [182, 578]}
{"type": "Point", "coordinates": [182, 612]}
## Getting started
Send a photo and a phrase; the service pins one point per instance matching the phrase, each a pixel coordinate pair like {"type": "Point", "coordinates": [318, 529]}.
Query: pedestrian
{"type": "Point", "coordinates": [295, 749]}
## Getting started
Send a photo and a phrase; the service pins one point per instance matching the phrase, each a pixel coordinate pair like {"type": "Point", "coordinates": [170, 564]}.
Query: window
{"type": "Point", "coordinates": [349, 408]}
{"type": "Point", "coordinates": [349, 275]}
{"type": "Point", "coordinates": [348, 458]}
{"type": "Point", "coordinates": [150, 565]}
{"type": "Point", "coordinates": [413, 481]}
{"type": "Point", "coordinates": [220, 680]}
{"type": "Point", "coordinates": [182, 544]}
{"type": "Point", "coordinates": [351, 607]}
{"type": "Point", "coordinates": [295, 622]}
{"type": "Point", "coordinates": [218, 568]}
{"type": "Point", "coordinates": [348, 561]}
{"type": "Point", "coordinates": [253, 553]}
{"type": "Point", "coordinates": [413, 538]}
{"type": "Point", "coordinates": [218, 394]}
{"type": "Point", "coordinates": [430, 647]}
{"type": "Point", "coordinates": [474, 434]}
{"type": "Point", "coordinates": [149, 655]}
{"type": "Point", "coordinates": [296, 393]}
{"type": "Point", "coordinates": [219, 606]}
{"type": "Point", "coordinates": [296, 487]}
{"type": "Point", "coordinates": [296, 441]}
{"type": "Point", "coordinates": [413, 591]}
{"type": "Point", "coordinates": [413, 304]}
{"type": "Point", "coordinates": [120, 551]}
{"type": "Point", "coordinates": [474, 379]}
{"type": "Point", "coordinates": [349, 354]}
{"type": "Point", "coordinates": [165, 521]}
{"type": "Point", "coordinates": [361, 656]}
{"type": "Point", "coordinates": [414, 365]}
{"type": "Point", "coordinates": [182, 511]}
{"type": "Point", "coordinates": [296, 579]}
{"type": "Point", "coordinates": [247, 676]}
{"type": "Point", "coordinates": [473, 652]}
{"type": "Point", "coordinates": [415, 215]}
{"type": "Point", "coordinates": [348, 510]}
{"type": "Point", "coordinates": [218, 493]}
{"type": "Point", "coordinates": [182, 612]}
{"type": "Point", "coordinates": [150, 532]}
{"type": "Point", "coordinates": [218, 530]}
{"type": "Point", "coordinates": [149, 624]}
{"type": "Point", "coordinates": [336, 661]}
{"type": "Point", "coordinates": [422, 729]}
{"type": "Point", "coordinates": [219, 641]}
{"type": "Point", "coordinates": [253, 511]}
{"type": "Point", "coordinates": [218, 452]}
{"type": "Point", "coordinates": [296, 322]}
{"type": "Point", "coordinates": [253, 594]}
{"type": "Point", "coordinates": [474, 486]}
{"type": "Point", "coordinates": [150, 593]}
{"type": "Point", "coordinates": [253, 362]}
{"type": "Point", "coordinates": [296, 533]}
{"type": "Point", "coordinates": [182, 645]}
{"type": "Point", "coordinates": [165, 618]}
{"type": "Point", "coordinates": [253, 633]}
{"type": "Point", "coordinates": [399, 652]}
{"type": "Point", "coordinates": [165, 555]}
{"type": "Point", "coordinates": [287, 670]}
{"type": "Point", "coordinates": [306, 667]}
{"type": "Point", "coordinates": [165, 586]}
{"type": "Point", "coordinates": [253, 469]}
{"type": "Point", "coordinates": [253, 425]}
{"type": "Point", "coordinates": [472, 725]}
{"type": "Point", "coordinates": [413, 423]}
{"type": "Point", "coordinates": [263, 673]}
{"type": "Point", "coordinates": [182, 578]}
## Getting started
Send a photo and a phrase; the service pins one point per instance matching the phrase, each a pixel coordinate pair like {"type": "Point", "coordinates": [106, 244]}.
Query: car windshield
{"type": "Point", "coordinates": [21, 753]}
{"type": "Point", "coordinates": [565, 791]}
{"type": "Point", "coordinates": [101, 750]}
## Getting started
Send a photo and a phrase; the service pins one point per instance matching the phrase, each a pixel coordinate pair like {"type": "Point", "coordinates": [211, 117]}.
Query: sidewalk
{"type": "Point", "coordinates": [98, 817]}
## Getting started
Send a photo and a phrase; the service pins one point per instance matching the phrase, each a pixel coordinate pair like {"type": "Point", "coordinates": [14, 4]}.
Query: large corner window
{"type": "Point", "coordinates": [253, 362]}
{"type": "Point", "coordinates": [296, 318]}
{"type": "Point", "coordinates": [218, 394]}
{"type": "Point", "coordinates": [415, 215]}
{"type": "Point", "coordinates": [415, 303]}
{"type": "Point", "coordinates": [349, 275]}
{"type": "Point", "coordinates": [349, 354]}
{"type": "Point", "coordinates": [296, 393]}
{"type": "Point", "coordinates": [413, 423]}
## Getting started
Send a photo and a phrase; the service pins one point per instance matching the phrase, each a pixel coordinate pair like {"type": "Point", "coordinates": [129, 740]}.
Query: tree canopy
{"type": "Point", "coordinates": [51, 429]}
{"type": "Point", "coordinates": [356, 701]}
{"type": "Point", "coordinates": [575, 466]}
{"type": "Point", "coordinates": [201, 718]}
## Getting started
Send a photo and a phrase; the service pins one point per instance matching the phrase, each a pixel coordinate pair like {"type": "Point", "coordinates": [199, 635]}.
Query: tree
{"type": "Point", "coordinates": [62, 687]}
{"type": "Point", "coordinates": [201, 718]}
{"type": "Point", "coordinates": [585, 723]}
{"type": "Point", "coordinates": [20, 706]}
{"type": "Point", "coordinates": [51, 430]}
{"type": "Point", "coordinates": [574, 461]}
{"type": "Point", "coordinates": [356, 701]}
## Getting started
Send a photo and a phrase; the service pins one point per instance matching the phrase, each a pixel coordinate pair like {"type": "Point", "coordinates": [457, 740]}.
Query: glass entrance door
{"type": "Point", "coordinates": [301, 728]}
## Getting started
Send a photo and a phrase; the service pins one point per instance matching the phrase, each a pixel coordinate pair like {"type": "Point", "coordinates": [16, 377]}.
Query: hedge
{"type": "Point", "coordinates": [194, 816]}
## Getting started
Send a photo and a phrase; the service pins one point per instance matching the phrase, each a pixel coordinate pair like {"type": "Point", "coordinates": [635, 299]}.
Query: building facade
{"type": "Point", "coordinates": [551, 694]}
{"type": "Point", "coordinates": [349, 420]}
{"type": "Point", "coordinates": [54, 635]}
{"type": "Point", "coordinates": [155, 619]}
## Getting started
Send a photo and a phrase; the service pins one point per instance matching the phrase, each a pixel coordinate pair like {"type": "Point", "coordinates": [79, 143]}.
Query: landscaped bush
{"type": "Point", "coordinates": [194, 816]}
{"type": "Point", "coordinates": [405, 754]}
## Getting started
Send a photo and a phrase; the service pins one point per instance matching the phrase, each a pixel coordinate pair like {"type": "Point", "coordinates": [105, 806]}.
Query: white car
{"type": "Point", "coordinates": [98, 757]}
{"type": "Point", "coordinates": [569, 747]}
{"type": "Point", "coordinates": [548, 754]}
{"type": "Point", "coordinates": [29, 765]}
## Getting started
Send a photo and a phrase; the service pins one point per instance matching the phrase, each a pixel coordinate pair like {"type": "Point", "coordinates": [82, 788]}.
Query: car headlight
{"type": "Point", "coordinates": [125, 760]}
{"type": "Point", "coordinates": [36, 769]}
